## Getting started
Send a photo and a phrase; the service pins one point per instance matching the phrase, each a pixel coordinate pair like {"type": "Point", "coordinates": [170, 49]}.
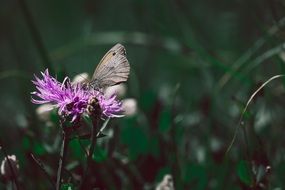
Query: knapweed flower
{"type": "Point", "coordinates": [72, 99]}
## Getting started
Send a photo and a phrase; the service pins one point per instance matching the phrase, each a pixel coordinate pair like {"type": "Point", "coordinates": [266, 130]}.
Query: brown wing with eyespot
{"type": "Point", "coordinates": [113, 68]}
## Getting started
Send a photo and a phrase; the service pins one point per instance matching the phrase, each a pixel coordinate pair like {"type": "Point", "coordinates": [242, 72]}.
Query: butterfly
{"type": "Point", "coordinates": [114, 68]}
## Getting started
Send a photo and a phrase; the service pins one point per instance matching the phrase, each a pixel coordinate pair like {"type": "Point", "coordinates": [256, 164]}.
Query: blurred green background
{"type": "Point", "coordinates": [194, 65]}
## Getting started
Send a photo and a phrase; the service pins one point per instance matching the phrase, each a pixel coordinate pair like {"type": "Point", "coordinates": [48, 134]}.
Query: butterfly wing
{"type": "Point", "coordinates": [113, 68]}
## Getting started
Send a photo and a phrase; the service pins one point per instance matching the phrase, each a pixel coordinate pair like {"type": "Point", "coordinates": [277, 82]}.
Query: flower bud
{"type": "Point", "coordinates": [119, 90]}
{"type": "Point", "coordinates": [6, 168]}
{"type": "Point", "coordinates": [129, 106]}
{"type": "Point", "coordinates": [43, 112]}
{"type": "Point", "coordinates": [166, 183]}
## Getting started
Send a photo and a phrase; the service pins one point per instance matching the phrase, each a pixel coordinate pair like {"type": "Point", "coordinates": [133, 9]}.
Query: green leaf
{"type": "Point", "coordinates": [154, 147]}
{"type": "Point", "coordinates": [161, 172]}
{"type": "Point", "coordinates": [244, 172]}
{"type": "Point", "coordinates": [136, 140]}
{"type": "Point", "coordinates": [26, 143]}
{"type": "Point", "coordinates": [54, 117]}
{"type": "Point", "coordinates": [195, 175]}
{"type": "Point", "coordinates": [67, 186]}
{"type": "Point", "coordinates": [147, 100]}
{"type": "Point", "coordinates": [99, 154]}
{"type": "Point", "coordinates": [165, 121]}
{"type": "Point", "coordinates": [76, 149]}
{"type": "Point", "coordinates": [38, 149]}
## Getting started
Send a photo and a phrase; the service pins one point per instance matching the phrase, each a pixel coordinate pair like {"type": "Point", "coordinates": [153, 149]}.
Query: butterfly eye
{"type": "Point", "coordinates": [114, 53]}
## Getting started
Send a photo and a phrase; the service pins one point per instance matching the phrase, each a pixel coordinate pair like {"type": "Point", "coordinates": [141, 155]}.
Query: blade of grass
{"type": "Point", "coordinates": [266, 55]}
{"type": "Point", "coordinates": [42, 167]}
{"type": "Point", "coordinates": [36, 36]}
{"type": "Point", "coordinates": [13, 73]}
{"type": "Point", "coordinates": [249, 53]}
{"type": "Point", "coordinates": [245, 109]}
{"type": "Point", "coordinates": [104, 38]}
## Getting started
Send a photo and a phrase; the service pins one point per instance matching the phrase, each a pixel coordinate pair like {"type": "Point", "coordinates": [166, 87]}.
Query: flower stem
{"type": "Point", "coordinates": [95, 122]}
{"type": "Point", "coordinates": [65, 140]}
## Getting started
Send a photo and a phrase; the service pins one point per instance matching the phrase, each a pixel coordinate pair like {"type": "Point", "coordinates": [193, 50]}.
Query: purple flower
{"type": "Point", "coordinates": [72, 99]}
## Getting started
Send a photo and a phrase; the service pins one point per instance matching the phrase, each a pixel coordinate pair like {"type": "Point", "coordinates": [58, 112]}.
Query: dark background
{"type": "Point", "coordinates": [194, 65]}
